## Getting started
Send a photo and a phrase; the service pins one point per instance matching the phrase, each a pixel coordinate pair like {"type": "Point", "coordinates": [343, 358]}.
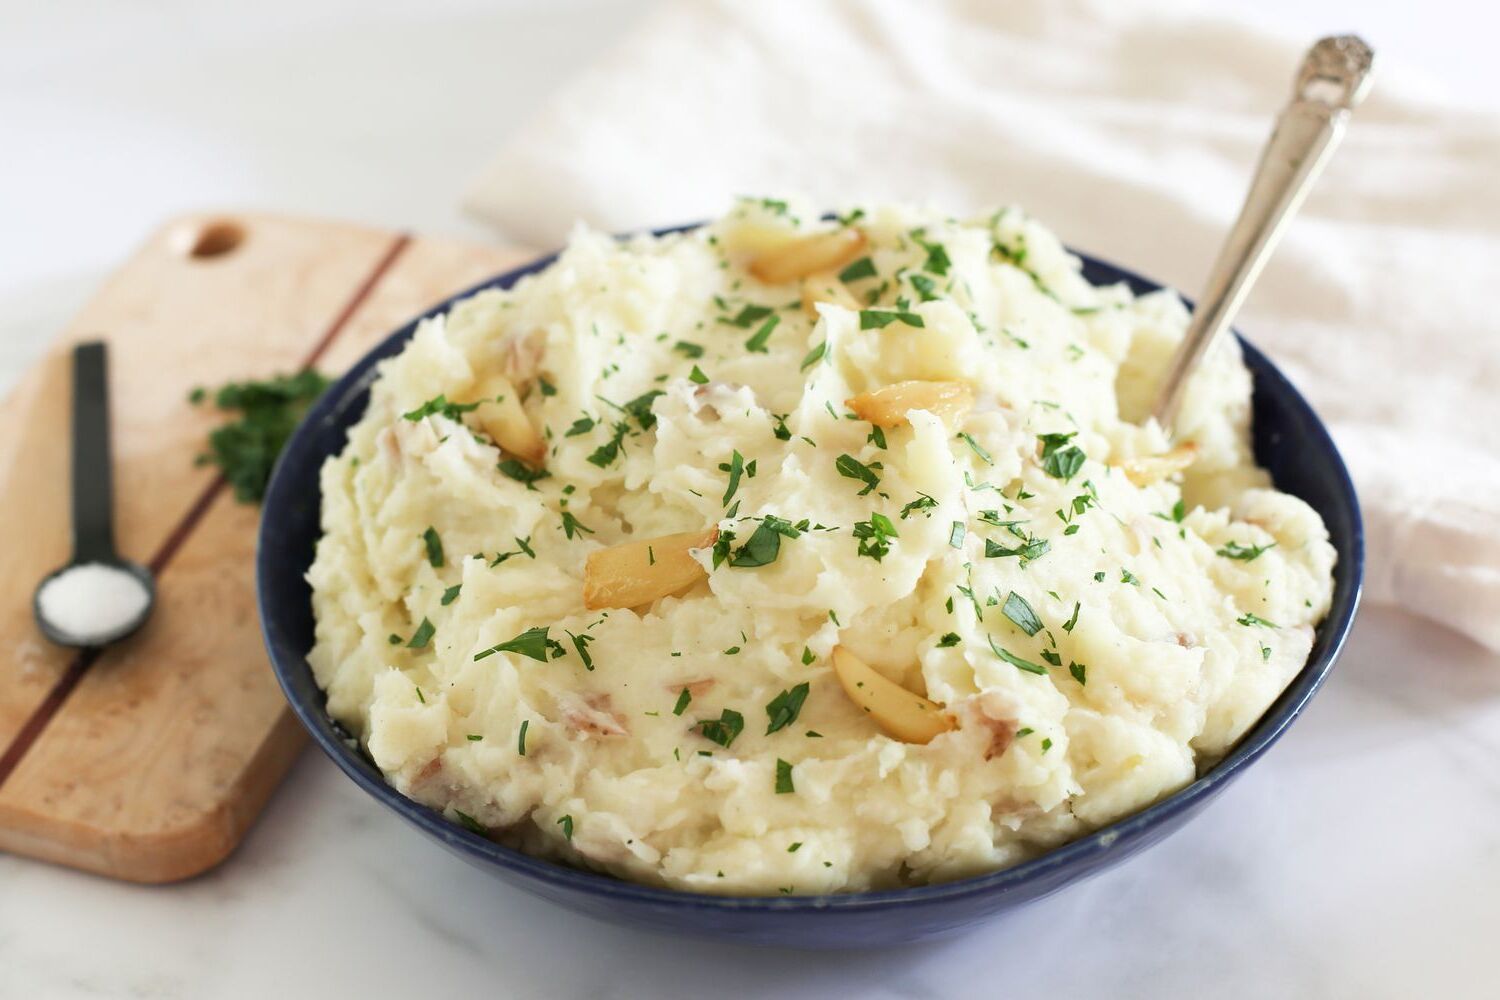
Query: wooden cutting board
{"type": "Point", "coordinates": [149, 760]}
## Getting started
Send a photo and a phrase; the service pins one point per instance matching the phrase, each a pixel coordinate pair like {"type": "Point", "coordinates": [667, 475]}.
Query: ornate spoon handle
{"type": "Point", "coordinates": [1333, 79]}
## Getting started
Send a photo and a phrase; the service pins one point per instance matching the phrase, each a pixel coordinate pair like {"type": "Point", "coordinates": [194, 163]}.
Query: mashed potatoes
{"type": "Point", "coordinates": [915, 596]}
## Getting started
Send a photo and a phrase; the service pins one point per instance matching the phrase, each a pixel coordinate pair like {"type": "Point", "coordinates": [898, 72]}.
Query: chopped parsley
{"type": "Point", "coordinates": [948, 639]}
{"type": "Point", "coordinates": [439, 405]}
{"type": "Point", "coordinates": [1031, 548]}
{"type": "Point", "coordinates": [764, 544]}
{"type": "Point", "coordinates": [969, 439]}
{"type": "Point", "coordinates": [783, 778]}
{"type": "Point", "coordinates": [807, 656]}
{"type": "Point", "coordinates": [533, 643]}
{"type": "Point", "coordinates": [1016, 661]}
{"type": "Point", "coordinates": [1253, 619]}
{"type": "Point", "coordinates": [1020, 612]}
{"type": "Point", "coordinates": [876, 319]}
{"type": "Point", "coordinates": [246, 448]}
{"type": "Point", "coordinates": [1061, 460]}
{"type": "Point", "coordinates": [1068, 625]}
{"type": "Point", "coordinates": [852, 468]}
{"type": "Point", "coordinates": [757, 342]}
{"type": "Point", "coordinates": [582, 425]}
{"type": "Point", "coordinates": [956, 535]}
{"type": "Point", "coordinates": [875, 535]}
{"type": "Point", "coordinates": [688, 349]}
{"type": "Point", "coordinates": [422, 636]}
{"type": "Point", "coordinates": [862, 268]}
{"type": "Point", "coordinates": [567, 827]}
{"type": "Point", "coordinates": [1234, 550]}
{"type": "Point", "coordinates": [922, 502]}
{"type": "Point", "coordinates": [451, 594]}
{"type": "Point", "coordinates": [605, 455]}
{"type": "Point", "coordinates": [469, 823]}
{"type": "Point", "coordinates": [521, 472]}
{"type": "Point", "coordinates": [1079, 671]}
{"type": "Point", "coordinates": [697, 376]}
{"type": "Point", "coordinates": [748, 316]}
{"type": "Point", "coordinates": [581, 647]}
{"type": "Point", "coordinates": [521, 737]}
{"type": "Point", "coordinates": [640, 408]}
{"type": "Point", "coordinates": [814, 356]}
{"type": "Point", "coordinates": [784, 708]}
{"type": "Point", "coordinates": [572, 526]}
{"type": "Point", "coordinates": [724, 729]}
{"type": "Point", "coordinates": [735, 467]}
{"type": "Point", "coordinates": [434, 544]}
{"type": "Point", "coordinates": [684, 699]}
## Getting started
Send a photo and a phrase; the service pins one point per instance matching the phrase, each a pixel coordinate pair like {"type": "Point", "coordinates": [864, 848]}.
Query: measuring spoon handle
{"type": "Point", "coordinates": [93, 485]}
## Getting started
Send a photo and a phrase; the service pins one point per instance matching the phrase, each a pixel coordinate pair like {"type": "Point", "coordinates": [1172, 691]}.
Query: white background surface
{"type": "Point", "coordinates": [1360, 859]}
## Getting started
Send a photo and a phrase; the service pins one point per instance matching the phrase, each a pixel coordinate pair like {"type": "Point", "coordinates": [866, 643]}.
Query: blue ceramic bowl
{"type": "Point", "coordinates": [1290, 441]}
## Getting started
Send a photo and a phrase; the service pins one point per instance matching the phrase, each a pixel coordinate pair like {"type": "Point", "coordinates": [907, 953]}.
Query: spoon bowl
{"type": "Point", "coordinates": [62, 636]}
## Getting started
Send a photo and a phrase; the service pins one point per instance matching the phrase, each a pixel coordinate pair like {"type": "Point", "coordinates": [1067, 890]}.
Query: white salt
{"type": "Point", "coordinates": [93, 601]}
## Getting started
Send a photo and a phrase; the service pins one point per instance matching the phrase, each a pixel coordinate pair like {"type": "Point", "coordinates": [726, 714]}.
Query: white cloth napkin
{"type": "Point", "coordinates": [1133, 133]}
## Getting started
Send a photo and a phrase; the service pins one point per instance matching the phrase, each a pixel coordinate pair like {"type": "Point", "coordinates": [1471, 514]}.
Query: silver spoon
{"type": "Point", "coordinates": [98, 597]}
{"type": "Point", "coordinates": [1334, 78]}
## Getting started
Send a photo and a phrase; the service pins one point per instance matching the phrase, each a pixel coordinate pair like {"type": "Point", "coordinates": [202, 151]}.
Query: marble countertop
{"type": "Point", "coordinates": [1361, 858]}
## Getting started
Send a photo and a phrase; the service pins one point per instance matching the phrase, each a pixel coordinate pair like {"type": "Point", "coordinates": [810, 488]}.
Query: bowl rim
{"type": "Point", "coordinates": [1115, 838]}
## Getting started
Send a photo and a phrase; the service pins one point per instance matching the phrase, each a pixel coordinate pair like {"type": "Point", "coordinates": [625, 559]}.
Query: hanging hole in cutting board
{"type": "Point", "coordinates": [212, 239]}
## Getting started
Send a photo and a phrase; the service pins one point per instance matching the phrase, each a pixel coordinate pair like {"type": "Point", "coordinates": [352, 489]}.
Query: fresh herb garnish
{"type": "Point", "coordinates": [246, 448]}
{"type": "Point", "coordinates": [956, 534]}
{"type": "Point", "coordinates": [875, 535]}
{"type": "Point", "coordinates": [757, 342]}
{"type": "Point", "coordinates": [688, 349]}
{"type": "Point", "coordinates": [696, 375]}
{"type": "Point", "coordinates": [852, 468]}
{"type": "Point", "coordinates": [862, 268]}
{"type": "Point", "coordinates": [521, 472]}
{"type": "Point", "coordinates": [1252, 619]}
{"type": "Point", "coordinates": [784, 708]}
{"type": "Point", "coordinates": [1020, 612]}
{"type": "Point", "coordinates": [814, 356]}
{"type": "Point", "coordinates": [1234, 550]}
{"type": "Point", "coordinates": [422, 636]}
{"type": "Point", "coordinates": [876, 319]}
{"type": "Point", "coordinates": [581, 646]}
{"type": "Point", "coordinates": [764, 544]}
{"type": "Point", "coordinates": [969, 438]}
{"type": "Point", "coordinates": [582, 425]}
{"type": "Point", "coordinates": [640, 408]}
{"type": "Point", "coordinates": [1016, 661]}
{"type": "Point", "coordinates": [724, 729]}
{"type": "Point", "coordinates": [566, 823]}
{"type": "Point", "coordinates": [1068, 625]}
{"type": "Point", "coordinates": [470, 823]}
{"type": "Point", "coordinates": [1031, 548]}
{"type": "Point", "coordinates": [783, 778]}
{"type": "Point", "coordinates": [684, 699]}
{"type": "Point", "coordinates": [747, 316]}
{"type": "Point", "coordinates": [572, 526]}
{"type": "Point", "coordinates": [434, 544]}
{"type": "Point", "coordinates": [533, 643]}
{"type": "Point", "coordinates": [521, 737]}
{"type": "Point", "coordinates": [948, 639]}
{"type": "Point", "coordinates": [1079, 671]}
{"type": "Point", "coordinates": [439, 406]}
{"type": "Point", "coordinates": [735, 467]}
{"type": "Point", "coordinates": [922, 502]}
{"type": "Point", "coordinates": [1061, 460]}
